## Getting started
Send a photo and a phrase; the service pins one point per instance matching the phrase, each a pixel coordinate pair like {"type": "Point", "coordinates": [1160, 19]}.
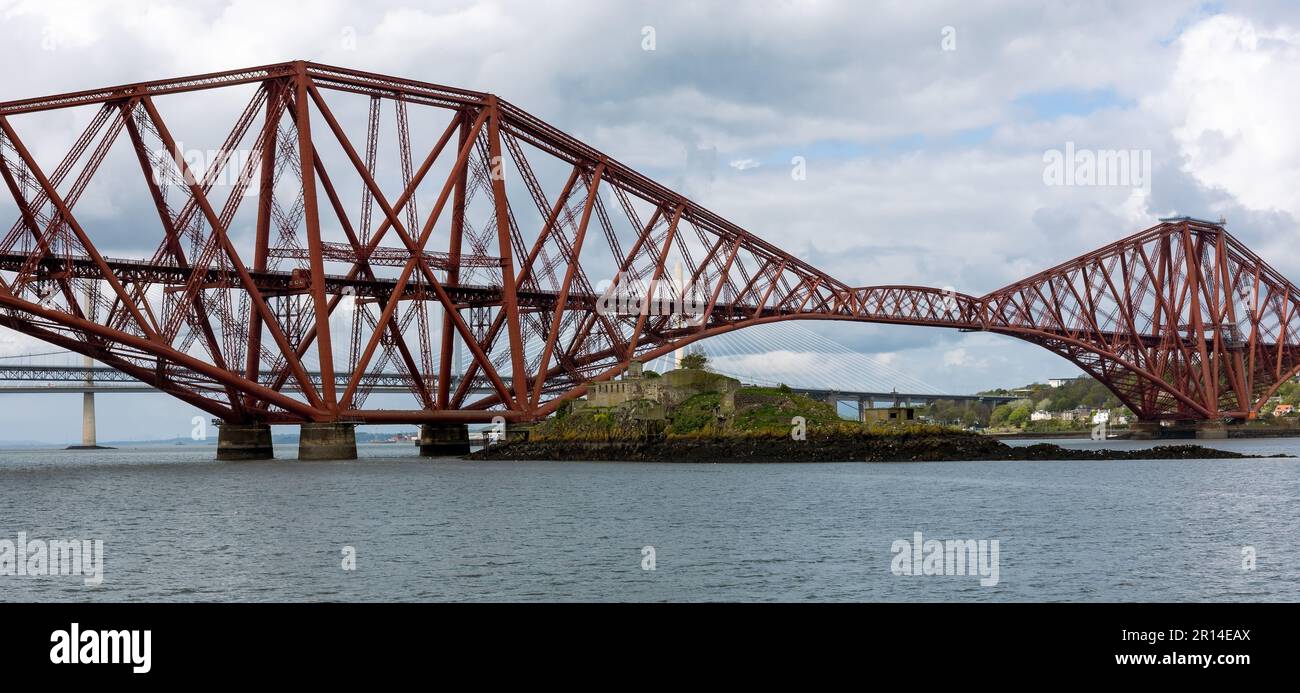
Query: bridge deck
{"type": "Point", "coordinates": [109, 380]}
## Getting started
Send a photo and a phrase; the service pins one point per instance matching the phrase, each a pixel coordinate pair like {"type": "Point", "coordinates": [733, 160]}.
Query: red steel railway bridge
{"type": "Point", "coordinates": [357, 224]}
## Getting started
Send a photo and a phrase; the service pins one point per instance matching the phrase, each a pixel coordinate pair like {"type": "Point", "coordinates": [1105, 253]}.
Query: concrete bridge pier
{"type": "Point", "coordinates": [518, 431]}
{"type": "Point", "coordinates": [327, 441]}
{"type": "Point", "coordinates": [443, 440]}
{"type": "Point", "coordinates": [865, 408]}
{"type": "Point", "coordinates": [244, 441]}
{"type": "Point", "coordinates": [1144, 430]}
{"type": "Point", "coordinates": [1202, 430]}
{"type": "Point", "coordinates": [88, 439]}
{"type": "Point", "coordinates": [1211, 430]}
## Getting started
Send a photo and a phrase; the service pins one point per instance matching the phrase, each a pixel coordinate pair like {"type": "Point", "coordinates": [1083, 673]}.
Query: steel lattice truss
{"type": "Point", "coordinates": [514, 243]}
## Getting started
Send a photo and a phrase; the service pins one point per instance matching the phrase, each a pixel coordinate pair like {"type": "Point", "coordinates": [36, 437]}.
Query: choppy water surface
{"type": "Point", "coordinates": [177, 525]}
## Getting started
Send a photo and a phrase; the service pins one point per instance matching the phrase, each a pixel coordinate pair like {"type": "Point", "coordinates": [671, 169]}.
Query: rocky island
{"type": "Point", "coordinates": [693, 415]}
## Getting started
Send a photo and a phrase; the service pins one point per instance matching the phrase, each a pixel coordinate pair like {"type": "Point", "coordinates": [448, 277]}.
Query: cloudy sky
{"type": "Point", "coordinates": [923, 127]}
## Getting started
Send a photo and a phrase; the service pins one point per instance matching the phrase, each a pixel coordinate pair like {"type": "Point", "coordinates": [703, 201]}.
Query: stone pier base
{"type": "Point", "coordinates": [1204, 430]}
{"type": "Point", "coordinates": [518, 431]}
{"type": "Point", "coordinates": [443, 440]}
{"type": "Point", "coordinates": [1211, 430]}
{"type": "Point", "coordinates": [244, 442]}
{"type": "Point", "coordinates": [327, 441]}
{"type": "Point", "coordinates": [1144, 430]}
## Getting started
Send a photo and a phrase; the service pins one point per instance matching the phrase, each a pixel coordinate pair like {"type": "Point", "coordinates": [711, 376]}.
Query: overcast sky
{"type": "Point", "coordinates": [924, 127]}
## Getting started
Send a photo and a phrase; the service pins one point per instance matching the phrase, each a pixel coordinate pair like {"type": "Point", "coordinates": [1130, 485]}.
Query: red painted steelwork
{"type": "Point", "coordinates": [1180, 321]}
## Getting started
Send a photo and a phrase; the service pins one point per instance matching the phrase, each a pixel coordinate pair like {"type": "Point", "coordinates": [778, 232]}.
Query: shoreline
{"type": "Point", "coordinates": [745, 449]}
{"type": "Point", "coordinates": [1233, 433]}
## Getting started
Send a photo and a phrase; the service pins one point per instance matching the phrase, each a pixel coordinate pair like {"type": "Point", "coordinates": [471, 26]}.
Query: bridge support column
{"type": "Point", "coordinates": [327, 441]}
{"type": "Point", "coordinates": [1144, 430]}
{"type": "Point", "coordinates": [88, 420]}
{"type": "Point", "coordinates": [1211, 430]}
{"type": "Point", "coordinates": [244, 442]}
{"type": "Point", "coordinates": [518, 431]}
{"type": "Point", "coordinates": [88, 441]}
{"type": "Point", "coordinates": [443, 440]}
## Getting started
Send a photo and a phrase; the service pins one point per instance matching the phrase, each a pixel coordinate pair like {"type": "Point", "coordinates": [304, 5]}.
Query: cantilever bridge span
{"type": "Point", "coordinates": [417, 220]}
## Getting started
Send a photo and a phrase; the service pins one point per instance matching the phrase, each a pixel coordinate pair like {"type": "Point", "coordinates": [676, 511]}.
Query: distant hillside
{"type": "Point", "coordinates": [26, 444]}
{"type": "Point", "coordinates": [1080, 392]}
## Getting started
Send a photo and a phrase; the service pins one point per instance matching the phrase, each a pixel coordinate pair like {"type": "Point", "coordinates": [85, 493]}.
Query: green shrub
{"type": "Point", "coordinates": [695, 413]}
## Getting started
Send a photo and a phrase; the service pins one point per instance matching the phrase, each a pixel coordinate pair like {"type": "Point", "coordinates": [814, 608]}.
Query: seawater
{"type": "Point", "coordinates": [178, 526]}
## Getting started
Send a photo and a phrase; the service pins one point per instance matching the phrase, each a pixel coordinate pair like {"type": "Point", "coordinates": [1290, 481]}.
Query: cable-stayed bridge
{"type": "Point", "coordinates": [843, 376]}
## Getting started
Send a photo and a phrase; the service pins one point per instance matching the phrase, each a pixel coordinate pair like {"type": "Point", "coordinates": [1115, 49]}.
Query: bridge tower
{"type": "Point", "coordinates": [89, 439]}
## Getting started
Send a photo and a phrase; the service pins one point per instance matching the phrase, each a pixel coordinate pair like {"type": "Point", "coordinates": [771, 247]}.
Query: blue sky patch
{"type": "Point", "coordinates": [1052, 104]}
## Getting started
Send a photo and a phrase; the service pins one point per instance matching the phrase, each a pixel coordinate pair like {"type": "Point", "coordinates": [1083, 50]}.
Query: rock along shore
{"type": "Point", "coordinates": [840, 448]}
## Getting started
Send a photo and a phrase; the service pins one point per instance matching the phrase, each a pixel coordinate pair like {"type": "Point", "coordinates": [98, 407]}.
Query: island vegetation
{"type": "Point", "coordinates": [769, 424]}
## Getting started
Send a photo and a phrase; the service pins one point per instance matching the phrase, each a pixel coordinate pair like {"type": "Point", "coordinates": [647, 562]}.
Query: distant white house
{"type": "Point", "coordinates": [1040, 415]}
{"type": "Point", "coordinates": [1076, 414]}
{"type": "Point", "coordinates": [1058, 382]}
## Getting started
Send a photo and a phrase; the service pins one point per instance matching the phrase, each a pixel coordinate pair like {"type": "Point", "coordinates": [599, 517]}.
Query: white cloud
{"type": "Point", "coordinates": [896, 191]}
{"type": "Point", "coordinates": [1232, 100]}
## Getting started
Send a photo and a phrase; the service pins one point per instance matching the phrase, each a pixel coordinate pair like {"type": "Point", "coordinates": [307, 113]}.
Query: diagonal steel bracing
{"type": "Point", "coordinates": [531, 246]}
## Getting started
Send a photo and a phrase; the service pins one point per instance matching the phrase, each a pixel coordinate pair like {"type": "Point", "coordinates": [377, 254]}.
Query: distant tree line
{"type": "Point", "coordinates": [964, 414]}
{"type": "Point", "coordinates": [1082, 392]}
{"type": "Point", "coordinates": [1289, 393]}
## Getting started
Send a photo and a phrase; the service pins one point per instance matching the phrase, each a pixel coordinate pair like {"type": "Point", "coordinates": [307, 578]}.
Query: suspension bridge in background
{"type": "Point", "coordinates": [300, 246]}
{"type": "Point", "coordinates": [842, 377]}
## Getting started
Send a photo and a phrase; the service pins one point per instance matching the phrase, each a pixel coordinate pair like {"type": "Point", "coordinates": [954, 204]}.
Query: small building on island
{"type": "Point", "coordinates": [900, 412]}
{"type": "Point", "coordinates": [895, 414]}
